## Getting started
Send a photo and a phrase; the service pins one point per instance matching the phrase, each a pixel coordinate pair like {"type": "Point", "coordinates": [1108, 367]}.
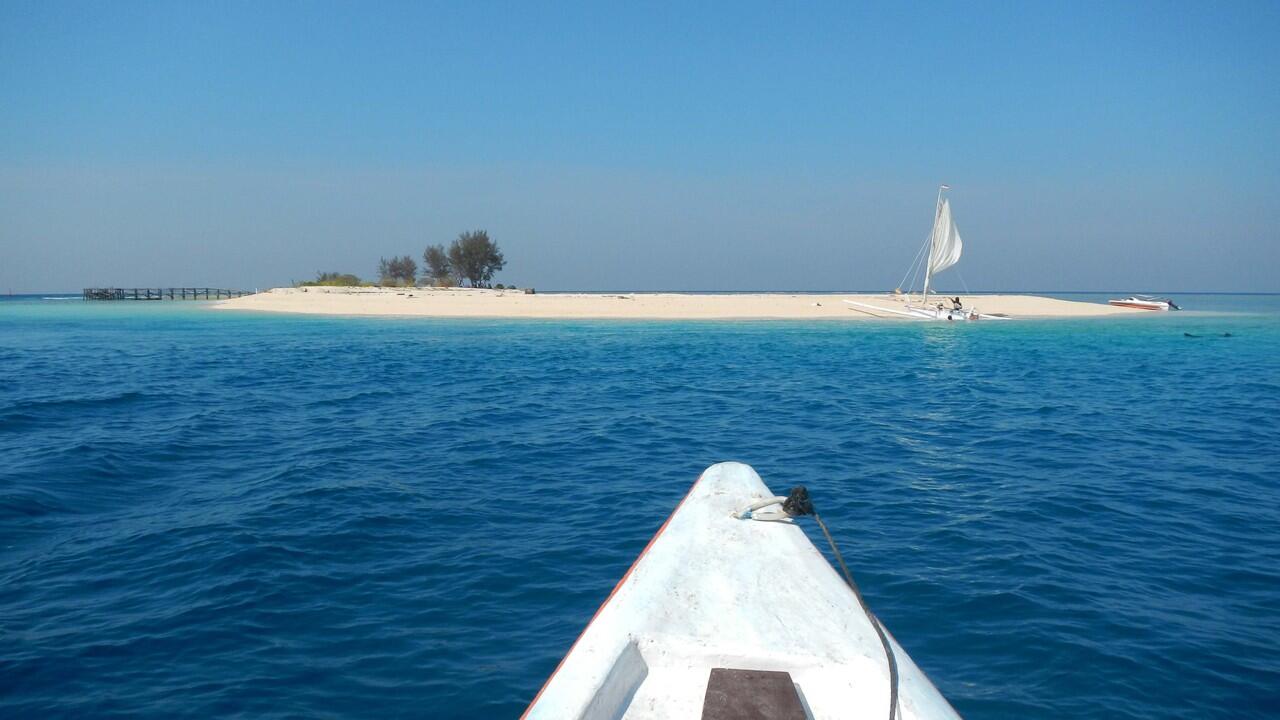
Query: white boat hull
{"type": "Point", "coordinates": [713, 591]}
{"type": "Point", "coordinates": [1142, 304]}
{"type": "Point", "coordinates": [916, 312]}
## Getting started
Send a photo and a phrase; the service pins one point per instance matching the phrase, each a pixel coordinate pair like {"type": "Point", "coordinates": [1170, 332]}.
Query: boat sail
{"type": "Point", "coordinates": [944, 248]}
{"type": "Point", "coordinates": [944, 242]}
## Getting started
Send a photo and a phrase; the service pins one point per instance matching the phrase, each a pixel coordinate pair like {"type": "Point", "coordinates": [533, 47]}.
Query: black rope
{"type": "Point", "coordinates": [797, 504]}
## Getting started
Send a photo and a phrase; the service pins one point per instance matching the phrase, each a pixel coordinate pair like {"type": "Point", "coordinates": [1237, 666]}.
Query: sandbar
{"type": "Point", "coordinates": [486, 303]}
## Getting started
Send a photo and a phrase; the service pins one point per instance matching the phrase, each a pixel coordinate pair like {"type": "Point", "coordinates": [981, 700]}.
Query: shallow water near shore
{"type": "Point", "coordinates": [221, 513]}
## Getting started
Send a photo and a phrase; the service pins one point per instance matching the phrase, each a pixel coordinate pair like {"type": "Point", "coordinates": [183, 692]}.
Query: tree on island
{"type": "Point", "coordinates": [397, 271]}
{"type": "Point", "coordinates": [438, 268]}
{"type": "Point", "coordinates": [475, 257]}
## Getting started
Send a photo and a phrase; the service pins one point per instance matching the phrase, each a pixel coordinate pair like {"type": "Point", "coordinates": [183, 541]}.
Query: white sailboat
{"type": "Point", "coordinates": [944, 249]}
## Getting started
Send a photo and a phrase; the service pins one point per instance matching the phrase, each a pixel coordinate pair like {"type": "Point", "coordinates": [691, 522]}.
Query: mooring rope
{"type": "Point", "coordinates": [796, 505]}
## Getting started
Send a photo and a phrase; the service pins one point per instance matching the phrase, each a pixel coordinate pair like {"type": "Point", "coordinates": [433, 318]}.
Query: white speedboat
{"type": "Point", "coordinates": [1146, 302]}
{"type": "Point", "coordinates": [730, 612]}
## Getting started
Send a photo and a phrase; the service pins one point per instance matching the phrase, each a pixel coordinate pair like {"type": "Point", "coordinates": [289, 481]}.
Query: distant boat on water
{"type": "Point", "coordinates": [1146, 302]}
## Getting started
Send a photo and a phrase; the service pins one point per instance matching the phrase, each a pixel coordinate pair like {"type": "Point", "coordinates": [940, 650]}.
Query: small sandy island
{"type": "Point", "coordinates": [476, 303]}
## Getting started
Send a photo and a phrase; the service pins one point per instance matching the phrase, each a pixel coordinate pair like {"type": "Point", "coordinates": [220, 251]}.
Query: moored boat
{"type": "Point", "coordinates": [944, 247]}
{"type": "Point", "coordinates": [1146, 302]}
{"type": "Point", "coordinates": [730, 611]}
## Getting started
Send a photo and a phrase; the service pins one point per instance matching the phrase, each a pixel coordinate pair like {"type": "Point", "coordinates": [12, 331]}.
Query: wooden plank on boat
{"type": "Point", "coordinates": [751, 695]}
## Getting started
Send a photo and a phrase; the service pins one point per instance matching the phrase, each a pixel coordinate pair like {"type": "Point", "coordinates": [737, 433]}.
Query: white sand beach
{"type": "Point", "coordinates": [479, 303]}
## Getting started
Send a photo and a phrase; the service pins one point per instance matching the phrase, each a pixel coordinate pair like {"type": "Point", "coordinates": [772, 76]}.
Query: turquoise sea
{"type": "Point", "coordinates": [213, 514]}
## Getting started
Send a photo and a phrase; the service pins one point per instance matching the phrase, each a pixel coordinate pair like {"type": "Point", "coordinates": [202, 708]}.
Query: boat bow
{"type": "Point", "coordinates": [714, 591]}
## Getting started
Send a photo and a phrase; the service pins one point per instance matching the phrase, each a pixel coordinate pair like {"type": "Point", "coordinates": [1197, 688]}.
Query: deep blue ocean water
{"type": "Point", "coordinates": [218, 514]}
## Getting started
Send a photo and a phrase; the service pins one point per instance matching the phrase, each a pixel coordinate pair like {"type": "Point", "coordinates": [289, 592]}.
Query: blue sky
{"type": "Point", "coordinates": [1107, 146]}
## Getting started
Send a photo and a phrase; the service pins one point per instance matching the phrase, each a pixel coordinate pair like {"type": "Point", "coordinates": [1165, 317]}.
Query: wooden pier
{"type": "Point", "coordinates": [162, 293]}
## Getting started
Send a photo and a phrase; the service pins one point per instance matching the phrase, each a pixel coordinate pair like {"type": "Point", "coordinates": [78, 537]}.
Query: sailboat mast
{"type": "Point", "coordinates": [933, 239]}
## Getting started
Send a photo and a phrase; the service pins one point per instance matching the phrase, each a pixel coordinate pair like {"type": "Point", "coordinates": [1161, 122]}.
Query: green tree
{"type": "Point", "coordinates": [397, 271]}
{"type": "Point", "coordinates": [406, 270]}
{"type": "Point", "coordinates": [438, 267]}
{"type": "Point", "coordinates": [475, 257]}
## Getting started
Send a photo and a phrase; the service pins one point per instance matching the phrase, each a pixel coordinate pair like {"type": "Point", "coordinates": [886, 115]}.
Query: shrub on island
{"type": "Point", "coordinates": [333, 279]}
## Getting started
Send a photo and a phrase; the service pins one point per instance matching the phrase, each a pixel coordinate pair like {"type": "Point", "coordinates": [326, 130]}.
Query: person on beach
{"type": "Point", "coordinates": [956, 304]}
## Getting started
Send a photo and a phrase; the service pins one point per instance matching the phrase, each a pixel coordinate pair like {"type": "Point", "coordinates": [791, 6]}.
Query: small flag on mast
{"type": "Point", "coordinates": [946, 187]}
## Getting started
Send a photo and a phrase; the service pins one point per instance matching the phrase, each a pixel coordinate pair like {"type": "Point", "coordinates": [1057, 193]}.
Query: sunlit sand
{"type": "Point", "coordinates": [478, 303]}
